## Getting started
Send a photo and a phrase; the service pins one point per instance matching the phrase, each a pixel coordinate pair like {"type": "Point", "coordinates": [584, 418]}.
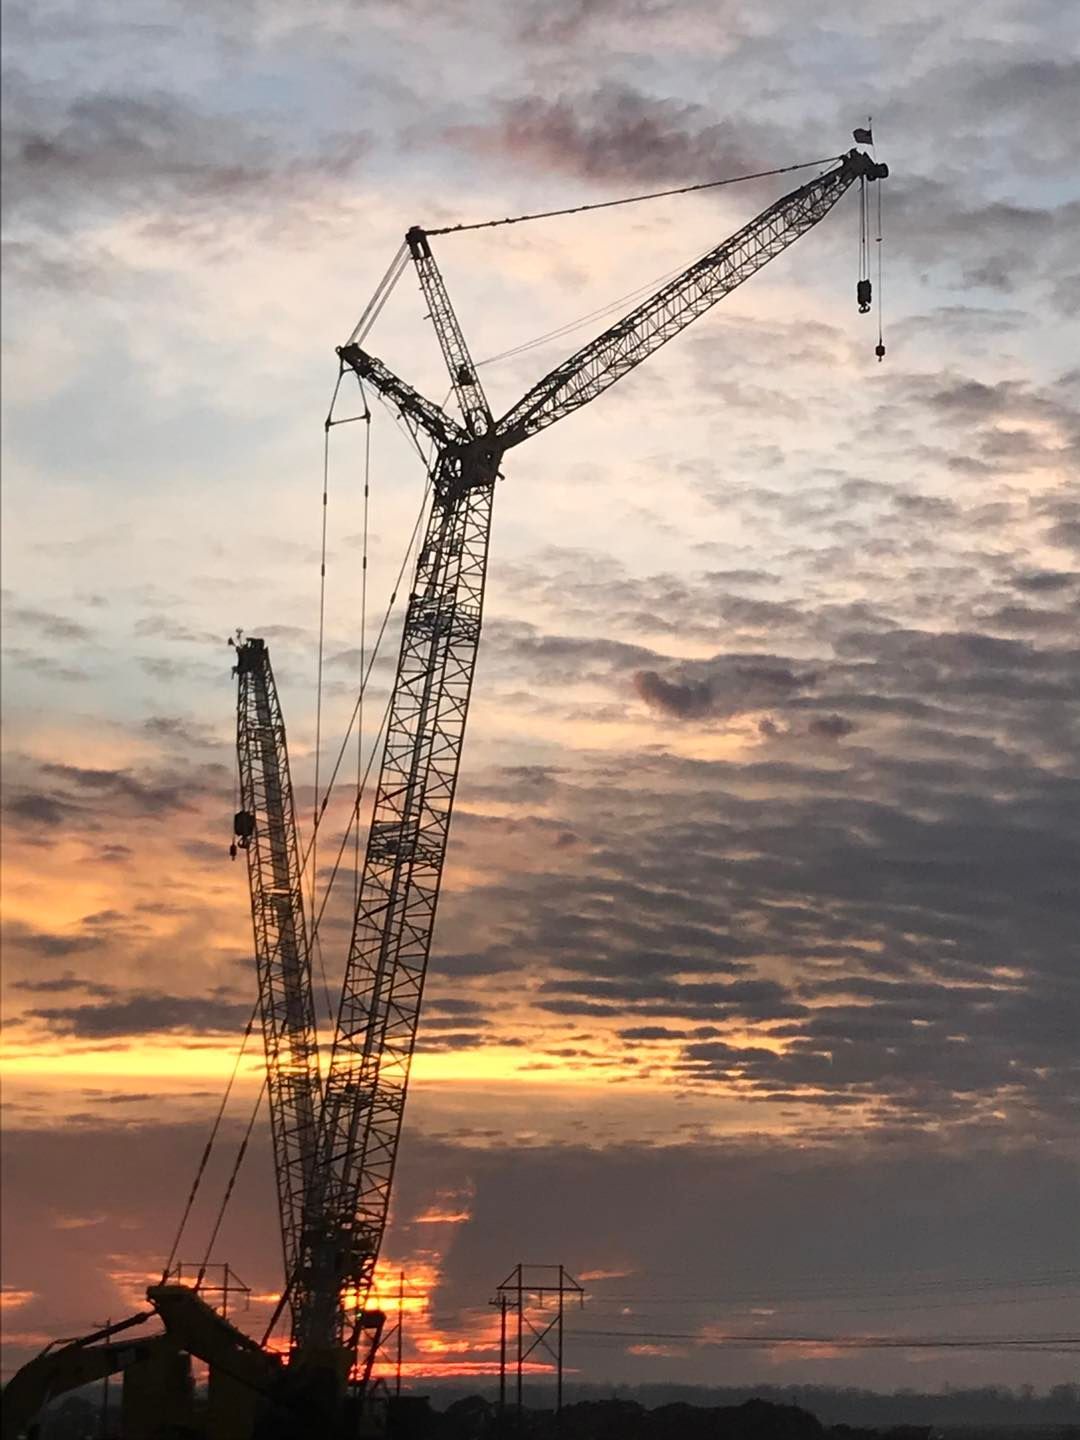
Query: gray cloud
{"type": "Point", "coordinates": [38, 809]}
{"type": "Point", "coordinates": [616, 132]}
{"type": "Point", "coordinates": [147, 152]}
{"type": "Point", "coordinates": [145, 1013]}
{"type": "Point", "coordinates": [63, 985]}
{"type": "Point", "coordinates": [831, 727]}
{"type": "Point", "coordinates": [47, 624]}
{"type": "Point", "coordinates": [48, 945]}
{"type": "Point", "coordinates": [143, 797]}
{"type": "Point", "coordinates": [725, 686]}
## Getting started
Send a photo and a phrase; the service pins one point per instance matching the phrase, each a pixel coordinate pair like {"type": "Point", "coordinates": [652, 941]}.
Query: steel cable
{"type": "Point", "coordinates": [632, 199]}
{"type": "Point", "coordinates": [240, 1154]}
{"type": "Point", "coordinates": [210, 1144]}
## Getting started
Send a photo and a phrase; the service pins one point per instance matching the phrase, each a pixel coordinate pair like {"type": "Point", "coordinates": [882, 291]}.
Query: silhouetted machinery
{"type": "Point", "coordinates": [335, 1136]}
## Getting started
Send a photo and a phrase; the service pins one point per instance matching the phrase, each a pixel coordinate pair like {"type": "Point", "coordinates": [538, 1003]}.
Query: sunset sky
{"type": "Point", "coordinates": [754, 997]}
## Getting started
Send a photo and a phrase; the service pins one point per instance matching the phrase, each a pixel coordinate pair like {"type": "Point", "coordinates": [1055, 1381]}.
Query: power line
{"type": "Point", "coordinates": [1060, 1344]}
{"type": "Point", "coordinates": [932, 1288]}
{"type": "Point", "coordinates": [803, 1306]}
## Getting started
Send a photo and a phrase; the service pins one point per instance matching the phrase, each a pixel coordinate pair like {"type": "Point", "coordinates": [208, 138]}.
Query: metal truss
{"type": "Point", "coordinates": [266, 829]}
{"type": "Point", "coordinates": [467, 389]}
{"type": "Point", "coordinates": [536, 1296]}
{"type": "Point", "coordinates": [365, 1089]}
{"type": "Point", "coordinates": [624, 345]}
{"type": "Point", "coordinates": [376, 1029]}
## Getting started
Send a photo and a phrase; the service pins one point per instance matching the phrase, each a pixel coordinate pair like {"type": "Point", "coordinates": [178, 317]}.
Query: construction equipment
{"type": "Point", "coordinates": [336, 1136]}
{"type": "Point", "coordinates": [365, 1087]}
{"type": "Point", "coordinates": [266, 830]}
{"type": "Point", "coordinates": [68, 1364]}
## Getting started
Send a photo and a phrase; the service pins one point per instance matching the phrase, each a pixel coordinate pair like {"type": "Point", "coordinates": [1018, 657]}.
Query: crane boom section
{"type": "Point", "coordinates": [632, 339]}
{"type": "Point", "coordinates": [467, 388]}
{"type": "Point", "coordinates": [365, 1088]}
{"type": "Point", "coordinates": [266, 827]}
{"type": "Point", "coordinates": [413, 406]}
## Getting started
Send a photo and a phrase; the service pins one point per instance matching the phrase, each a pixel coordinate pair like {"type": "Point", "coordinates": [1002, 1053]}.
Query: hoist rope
{"type": "Point", "coordinates": [631, 199]}
{"type": "Point", "coordinates": [209, 1144]}
{"type": "Point", "coordinates": [321, 807]}
{"type": "Point", "coordinates": [354, 818]}
{"type": "Point", "coordinates": [880, 286]}
{"type": "Point", "coordinates": [370, 666]}
{"type": "Point", "coordinates": [240, 1154]}
{"type": "Point", "coordinates": [363, 635]}
{"type": "Point", "coordinates": [319, 683]}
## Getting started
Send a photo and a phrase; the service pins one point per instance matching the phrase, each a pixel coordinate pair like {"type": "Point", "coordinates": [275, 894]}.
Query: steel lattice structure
{"type": "Point", "coordinates": [363, 1097]}
{"type": "Point", "coordinates": [628, 342]}
{"type": "Point", "coordinates": [266, 829]}
{"type": "Point", "coordinates": [380, 1004]}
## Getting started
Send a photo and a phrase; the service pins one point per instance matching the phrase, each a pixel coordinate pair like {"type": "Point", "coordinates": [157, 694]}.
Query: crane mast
{"type": "Point", "coordinates": [266, 831]}
{"type": "Point", "coordinates": [365, 1087]}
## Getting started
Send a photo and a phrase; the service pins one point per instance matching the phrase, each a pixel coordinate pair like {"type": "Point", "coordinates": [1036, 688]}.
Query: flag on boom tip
{"type": "Point", "coordinates": [863, 137]}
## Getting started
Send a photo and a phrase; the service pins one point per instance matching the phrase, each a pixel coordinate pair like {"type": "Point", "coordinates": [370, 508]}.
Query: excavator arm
{"type": "Point", "coordinates": [69, 1365]}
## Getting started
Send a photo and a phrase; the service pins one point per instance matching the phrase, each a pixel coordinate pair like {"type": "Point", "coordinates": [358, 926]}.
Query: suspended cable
{"type": "Point", "coordinates": [319, 683]}
{"type": "Point", "coordinates": [633, 199]}
{"type": "Point", "coordinates": [383, 290]}
{"type": "Point", "coordinates": [354, 818]}
{"type": "Point", "coordinates": [363, 637]}
{"type": "Point", "coordinates": [209, 1144]}
{"type": "Point", "coordinates": [843, 1342]}
{"type": "Point", "coordinates": [826, 1292]}
{"type": "Point", "coordinates": [880, 350]}
{"type": "Point", "coordinates": [322, 806]}
{"type": "Point", "coordinates": [572, 325]}
{"type": "Point", "coordinates": [240, 1154]}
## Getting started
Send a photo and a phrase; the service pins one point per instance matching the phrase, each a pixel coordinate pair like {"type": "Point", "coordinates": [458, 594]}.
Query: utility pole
{"type": "Point", "coordinates": [559, 1352]}
{"type": "Point", "coordinates": [400, 1328]}
{"type": "Point", "coordinates": [502, 1303]}
{"type": "Point", "coordinates": [103, 1422]}
{"type": "Point", "coordinates": [528, 1287]}
{"type": "Point", "coordinates": [520, 1320]}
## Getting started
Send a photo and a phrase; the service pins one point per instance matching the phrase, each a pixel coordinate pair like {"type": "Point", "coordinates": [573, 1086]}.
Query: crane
{"type": "Point", "coordinates": [265, 827]}
{"type": "Point", "coordinates": [336, 1135]}
{"type": "Point", "coordinates": [366, 1083]}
